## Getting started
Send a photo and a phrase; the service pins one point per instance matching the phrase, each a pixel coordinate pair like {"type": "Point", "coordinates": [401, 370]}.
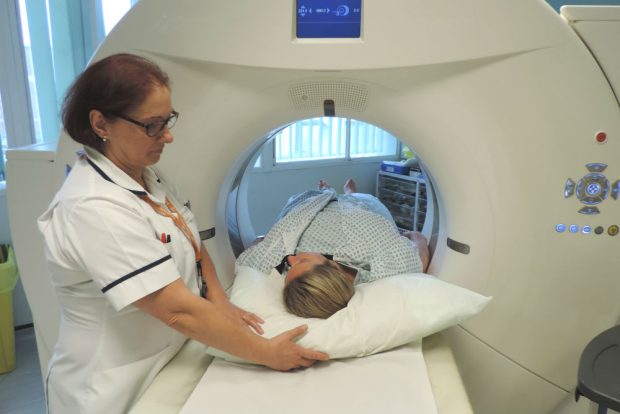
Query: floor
{"type": "Point", "coordinates": [21, 390]}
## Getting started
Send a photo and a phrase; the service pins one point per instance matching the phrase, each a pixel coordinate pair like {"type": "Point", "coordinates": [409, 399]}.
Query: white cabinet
{"type": "Point", "coordinates": [30, 189]}
{"type": "Point", "coordinates": [405, 197]}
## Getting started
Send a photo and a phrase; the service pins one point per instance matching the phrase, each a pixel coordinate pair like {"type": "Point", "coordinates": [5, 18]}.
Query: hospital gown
{"type": "Point", "coordinates": [355, 228]}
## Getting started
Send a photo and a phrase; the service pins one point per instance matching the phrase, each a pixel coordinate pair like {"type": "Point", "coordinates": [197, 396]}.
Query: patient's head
{"type": "Point", "coordinates": [316, 287]}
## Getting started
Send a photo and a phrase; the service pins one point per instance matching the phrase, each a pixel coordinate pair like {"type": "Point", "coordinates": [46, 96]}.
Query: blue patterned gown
{"type": "Point", "coordinates": [355, 228]}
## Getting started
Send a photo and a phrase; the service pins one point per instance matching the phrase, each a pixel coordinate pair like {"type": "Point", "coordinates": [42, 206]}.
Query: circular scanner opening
{"type": "Point", "coordinates": [295, 157]}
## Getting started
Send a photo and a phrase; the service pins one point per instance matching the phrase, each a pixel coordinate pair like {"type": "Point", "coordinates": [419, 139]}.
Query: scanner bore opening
{"type": "Point", "coordinates": [246, 218]}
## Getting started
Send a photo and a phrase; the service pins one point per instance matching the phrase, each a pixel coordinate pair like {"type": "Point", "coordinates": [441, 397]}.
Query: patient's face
{"type": "Point", "coordinates": [301, 263]}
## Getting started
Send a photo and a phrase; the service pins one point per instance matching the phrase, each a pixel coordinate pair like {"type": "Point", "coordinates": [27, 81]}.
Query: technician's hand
{"type": "Point", "coordinates": [286, 355]}
{"type": "Point", "coordinates": [247, 319]}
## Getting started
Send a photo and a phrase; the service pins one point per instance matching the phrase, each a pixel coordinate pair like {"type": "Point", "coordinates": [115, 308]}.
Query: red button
{"type": "Point", "coordinates": [601, 137]}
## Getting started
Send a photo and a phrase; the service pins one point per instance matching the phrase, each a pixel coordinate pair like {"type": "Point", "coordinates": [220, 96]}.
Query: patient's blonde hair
{"type": "Point", "coordinates": [319, 292]}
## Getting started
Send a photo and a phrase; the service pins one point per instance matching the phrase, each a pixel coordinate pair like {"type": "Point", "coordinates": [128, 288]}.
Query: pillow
{"type": "Point", "coordinates": [381, 315]}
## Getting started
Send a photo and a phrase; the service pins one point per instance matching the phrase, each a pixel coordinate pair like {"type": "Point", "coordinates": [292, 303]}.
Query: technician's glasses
{"type": "Point", "coordinates": [156, 128]}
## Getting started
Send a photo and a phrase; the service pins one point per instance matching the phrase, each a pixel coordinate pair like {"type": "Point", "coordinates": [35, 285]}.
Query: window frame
{"type": "Point", "coordinates": [268, 162]}
{"type": "Point", "coordinates": [14, 79]}
{"type": "Point", "coordinates": [77, 28]}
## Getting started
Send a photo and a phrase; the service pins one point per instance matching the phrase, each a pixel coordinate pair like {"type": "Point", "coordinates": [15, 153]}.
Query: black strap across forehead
{"type": "Point", "coordinates": [352, 270]}
{"type": "Point", "coordinates": [282, 265]}
{"type": "Point", "coordinates": [280, 268]}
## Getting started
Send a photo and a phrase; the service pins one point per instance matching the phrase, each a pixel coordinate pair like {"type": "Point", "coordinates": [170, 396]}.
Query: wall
{"type": "Point", "coordinates": [267, 192]}
{"type": "Point", "coordinates": [21, 310]}
{"type": "Point", "coordinates": [5, 234]}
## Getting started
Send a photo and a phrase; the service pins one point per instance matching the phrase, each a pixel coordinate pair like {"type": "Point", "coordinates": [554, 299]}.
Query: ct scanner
{"type": "Point", "coordinates": [512, 107]}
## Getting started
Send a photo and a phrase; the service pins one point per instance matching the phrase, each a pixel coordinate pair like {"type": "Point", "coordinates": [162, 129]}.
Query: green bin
{"type": "Point", "coordinates": [8, 279]}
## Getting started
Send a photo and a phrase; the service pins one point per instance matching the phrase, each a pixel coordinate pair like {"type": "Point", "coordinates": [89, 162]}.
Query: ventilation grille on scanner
{"type": "Point", "coordinates": [309, 95]}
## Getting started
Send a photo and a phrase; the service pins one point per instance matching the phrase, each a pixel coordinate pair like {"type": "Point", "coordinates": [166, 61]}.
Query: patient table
{"type": "Point", "coordinates": [425, 380]}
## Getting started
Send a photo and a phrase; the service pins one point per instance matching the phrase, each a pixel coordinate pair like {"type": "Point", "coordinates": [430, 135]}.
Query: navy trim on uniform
{"type": "Point", "coordinates": [135, 272]}
{"type": "Point", "coordinates": [107, 178]}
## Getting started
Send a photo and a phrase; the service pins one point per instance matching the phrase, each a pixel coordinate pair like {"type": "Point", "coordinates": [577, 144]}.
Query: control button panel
{"type": "Point", "coordinates": [596, 167]}
{"type": "Point", "coordinates": [589, 210]}
{"type": "Point", "coordinates": [572, 228]}
{"type": "Point", "coordinates": [592, 189]}
{"type": "Point", "coordinates": [569, 188]}
{"type": "Point", "coordinates": [615, 189]}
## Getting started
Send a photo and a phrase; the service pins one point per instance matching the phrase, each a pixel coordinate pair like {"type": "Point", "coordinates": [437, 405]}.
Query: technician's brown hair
{"type": "Point", "coordinates": [319, 292]}
{"type": "Point", "coordinates": [115, 85]}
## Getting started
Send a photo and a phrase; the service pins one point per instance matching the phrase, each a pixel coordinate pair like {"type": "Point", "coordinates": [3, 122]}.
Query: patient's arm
{"type": "Point", "coordinates": [420, 241]}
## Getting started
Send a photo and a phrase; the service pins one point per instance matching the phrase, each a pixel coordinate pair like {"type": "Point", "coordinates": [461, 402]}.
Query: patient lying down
{"type": "Point", "coordinates": [325, 243]}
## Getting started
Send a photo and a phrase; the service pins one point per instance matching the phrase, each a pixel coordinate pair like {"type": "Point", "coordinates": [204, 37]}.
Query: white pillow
{"type": "Point", "coordinates": [381, 315]}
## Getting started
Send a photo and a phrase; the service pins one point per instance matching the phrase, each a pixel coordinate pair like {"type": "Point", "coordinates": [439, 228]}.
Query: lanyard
{"type": "Point", "coordinates": [178, 221]}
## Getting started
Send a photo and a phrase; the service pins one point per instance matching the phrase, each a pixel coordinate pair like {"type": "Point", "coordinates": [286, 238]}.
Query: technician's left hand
{"type": "Point", "coordinates": [246, 318]}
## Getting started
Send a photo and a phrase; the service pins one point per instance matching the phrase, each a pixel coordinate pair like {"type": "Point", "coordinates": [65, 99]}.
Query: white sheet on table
{"type": "Point", "coordinates": [391, 382]}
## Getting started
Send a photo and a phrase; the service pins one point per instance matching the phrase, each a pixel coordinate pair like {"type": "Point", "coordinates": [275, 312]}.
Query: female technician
{"type": "Point", "coordinates": [125, 255]}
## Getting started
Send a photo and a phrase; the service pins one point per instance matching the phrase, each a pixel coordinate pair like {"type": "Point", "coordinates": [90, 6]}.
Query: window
{"type": "Point", "coordinates": [32, 86]}
{"type": "Point", "coordinates": [45, 45]}
{"type": "Point", "coordinates": [370, 141]}
{"type": "Point", "coordinates": [113, 11]}
{"type": "Point", "coordinates": [311, 139]}
{"type": "Point", "coordinates": [3, 142]}
{"type": "Point", "coordinates": [330, 138]}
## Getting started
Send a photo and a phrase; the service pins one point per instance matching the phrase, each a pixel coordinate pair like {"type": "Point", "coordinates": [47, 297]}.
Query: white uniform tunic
{"type": "Point", "coordinates": [104, 250]}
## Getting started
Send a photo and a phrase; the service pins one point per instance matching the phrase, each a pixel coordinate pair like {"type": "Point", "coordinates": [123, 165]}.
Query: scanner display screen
{"type": "Point", "coordinates": [329, 19]}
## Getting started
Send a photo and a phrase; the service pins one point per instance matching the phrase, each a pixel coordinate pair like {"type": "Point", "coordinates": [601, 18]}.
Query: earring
{"type": "Point", "coordinates": [104, 138]}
